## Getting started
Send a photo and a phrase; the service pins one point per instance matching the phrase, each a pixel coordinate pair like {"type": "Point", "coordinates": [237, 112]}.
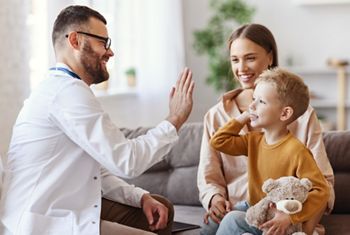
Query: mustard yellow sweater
{"type": "Point", "coordinates": [287, 157]}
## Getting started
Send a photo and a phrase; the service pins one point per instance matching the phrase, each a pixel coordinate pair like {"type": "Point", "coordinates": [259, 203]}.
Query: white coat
{"type": "Point", "coordinates": [62, 153]}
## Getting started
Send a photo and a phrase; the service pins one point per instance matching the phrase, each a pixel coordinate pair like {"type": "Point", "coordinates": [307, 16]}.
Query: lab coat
{"type": "Point", "coordinates": [62, 155]}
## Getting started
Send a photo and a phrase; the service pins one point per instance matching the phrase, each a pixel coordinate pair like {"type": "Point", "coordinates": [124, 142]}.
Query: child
{"type": "Point", "coordinates": [279, 98]}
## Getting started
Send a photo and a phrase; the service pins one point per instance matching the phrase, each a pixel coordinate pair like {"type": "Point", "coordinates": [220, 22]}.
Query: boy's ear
{"type": "Point", "coordinates": [286, 113]}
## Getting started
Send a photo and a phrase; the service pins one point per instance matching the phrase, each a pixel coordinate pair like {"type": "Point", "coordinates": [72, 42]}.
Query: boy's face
{"type": "Point", "coordinates": [266, 108]}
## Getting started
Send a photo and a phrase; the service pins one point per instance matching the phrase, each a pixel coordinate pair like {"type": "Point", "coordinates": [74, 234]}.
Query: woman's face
{"type": "Point", "coordinates": [248, 61]}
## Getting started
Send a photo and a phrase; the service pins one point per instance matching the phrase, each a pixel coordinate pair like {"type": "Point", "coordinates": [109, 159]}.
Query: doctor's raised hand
{"type": "Point", "coordinates": [181, 101]}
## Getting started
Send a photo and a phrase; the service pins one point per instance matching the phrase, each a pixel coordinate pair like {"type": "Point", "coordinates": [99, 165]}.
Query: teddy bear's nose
{"type": "Point", "coordinates": [291, 206]}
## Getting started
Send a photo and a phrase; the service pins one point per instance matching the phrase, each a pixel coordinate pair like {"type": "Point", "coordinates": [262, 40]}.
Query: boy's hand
{"type": "Point", "coordinates": [219, 207]}
{"type": "Point", "coordinates": [243, 118]}
{"type": "Point", "coordinates": [277, 225]}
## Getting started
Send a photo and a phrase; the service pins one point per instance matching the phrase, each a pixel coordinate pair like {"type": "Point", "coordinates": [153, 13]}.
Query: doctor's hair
{"type": "Point", "coordinates": [291, 90]}
{"type": "Point", "coordinates": [260, 35]}
{"type": "Point", "coordinates": [73, 18]}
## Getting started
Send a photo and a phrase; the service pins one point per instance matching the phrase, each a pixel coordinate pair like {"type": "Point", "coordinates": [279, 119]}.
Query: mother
{"type": "Point", "coordinates": [222, 180]}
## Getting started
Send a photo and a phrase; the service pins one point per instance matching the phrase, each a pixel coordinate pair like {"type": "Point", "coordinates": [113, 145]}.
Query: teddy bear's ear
{"type": "Point", "coordinates": [268, 185]}
{"type": "Point", "coordinates": [306, 183]}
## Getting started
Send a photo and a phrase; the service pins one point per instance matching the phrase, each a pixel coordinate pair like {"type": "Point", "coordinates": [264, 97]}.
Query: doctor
{"type": "Point", "coordinates": [65, 152]}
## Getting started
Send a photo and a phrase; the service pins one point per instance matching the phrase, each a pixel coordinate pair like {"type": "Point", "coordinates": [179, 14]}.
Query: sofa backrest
{"type": "Point", "coordinates": [176, 176]}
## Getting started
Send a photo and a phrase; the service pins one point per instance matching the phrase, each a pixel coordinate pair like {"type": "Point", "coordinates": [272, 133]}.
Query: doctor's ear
{"type": "Point", "coordinates": [73, 39]}
{"type": "Point", "coordinates": [286, 113]}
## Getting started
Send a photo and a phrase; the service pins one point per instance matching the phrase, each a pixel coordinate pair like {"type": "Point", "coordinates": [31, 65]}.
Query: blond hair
{"type": "Point", "coordinates": [291, 90]}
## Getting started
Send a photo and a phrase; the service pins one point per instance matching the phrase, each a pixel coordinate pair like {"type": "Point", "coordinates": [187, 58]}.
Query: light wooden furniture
{"type": "Point", "coordinates": [340, 65]}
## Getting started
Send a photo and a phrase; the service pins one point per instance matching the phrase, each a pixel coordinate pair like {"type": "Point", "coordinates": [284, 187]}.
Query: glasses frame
{"type": "Point", "coordinates": [106, 40]}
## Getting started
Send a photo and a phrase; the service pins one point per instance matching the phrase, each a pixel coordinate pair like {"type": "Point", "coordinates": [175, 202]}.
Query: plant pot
{"type": "Point", "coordinates": [131, 81]}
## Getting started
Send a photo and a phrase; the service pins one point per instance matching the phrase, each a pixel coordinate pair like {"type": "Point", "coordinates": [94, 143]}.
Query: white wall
{"type": "Point", "coordinates": [196, 15]}
{"type": "Point", "coordinates": [310, 34]}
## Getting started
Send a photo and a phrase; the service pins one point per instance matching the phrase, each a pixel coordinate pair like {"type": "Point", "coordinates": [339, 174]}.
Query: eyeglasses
{"type": "Point", "coordinates": [107, 40]}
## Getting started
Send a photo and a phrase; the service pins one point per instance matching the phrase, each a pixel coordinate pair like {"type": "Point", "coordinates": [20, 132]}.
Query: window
{"type": "Point", "coordinates": [38, 29]}
{"type": "Point", "coordinates": [146, 38]}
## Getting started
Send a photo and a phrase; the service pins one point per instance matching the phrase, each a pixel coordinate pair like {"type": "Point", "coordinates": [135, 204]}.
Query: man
{"type": "Point", "coordinates": [65, 151]}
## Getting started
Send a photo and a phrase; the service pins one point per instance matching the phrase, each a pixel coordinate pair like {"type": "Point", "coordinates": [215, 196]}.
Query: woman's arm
{"type": "Point", "coordinates": [210, 177]}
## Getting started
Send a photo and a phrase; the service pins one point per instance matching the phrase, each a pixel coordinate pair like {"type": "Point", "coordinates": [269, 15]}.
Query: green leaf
{"type": "Point", "coordinates": [211, 41]}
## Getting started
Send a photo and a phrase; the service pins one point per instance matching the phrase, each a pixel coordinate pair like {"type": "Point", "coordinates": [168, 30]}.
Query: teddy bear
{"type": "Point", "coordinates": [287, 193]}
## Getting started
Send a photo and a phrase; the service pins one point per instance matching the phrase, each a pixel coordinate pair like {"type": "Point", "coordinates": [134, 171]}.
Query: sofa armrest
{"type": "Point", "coordinates": [337, 145]}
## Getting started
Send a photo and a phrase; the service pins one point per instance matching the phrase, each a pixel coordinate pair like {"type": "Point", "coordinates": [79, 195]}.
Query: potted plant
{"type": "Point", "coordinates": [211, 40]}
{"type": "Point", "coordinates": [131, 76]}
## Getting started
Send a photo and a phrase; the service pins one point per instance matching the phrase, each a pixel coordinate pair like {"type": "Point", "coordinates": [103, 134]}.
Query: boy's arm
{"type": "Point", "coordinates": [227, 138]}
{"type": "Point", "coordinates": [319, 194]}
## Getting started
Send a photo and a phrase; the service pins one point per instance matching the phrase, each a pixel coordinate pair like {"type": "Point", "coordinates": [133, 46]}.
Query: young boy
{"type": "Point", "coordinates": [279, 98]}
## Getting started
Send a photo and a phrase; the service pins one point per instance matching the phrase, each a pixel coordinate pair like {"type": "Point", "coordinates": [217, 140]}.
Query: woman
{"type": "Point", "coordinates": [222, 179]}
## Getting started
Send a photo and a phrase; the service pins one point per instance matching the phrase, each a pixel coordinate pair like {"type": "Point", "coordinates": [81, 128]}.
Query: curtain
{"type": "Point", "coordinates": [159, 53]}
{"type": "Point", "coordinates": [14, 65]}
{"type": "Point", "coordinates": [147, 36]}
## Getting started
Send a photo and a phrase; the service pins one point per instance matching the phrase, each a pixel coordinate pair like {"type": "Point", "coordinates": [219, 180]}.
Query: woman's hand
{"type": "Point", "coordinates": [219, 207]}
